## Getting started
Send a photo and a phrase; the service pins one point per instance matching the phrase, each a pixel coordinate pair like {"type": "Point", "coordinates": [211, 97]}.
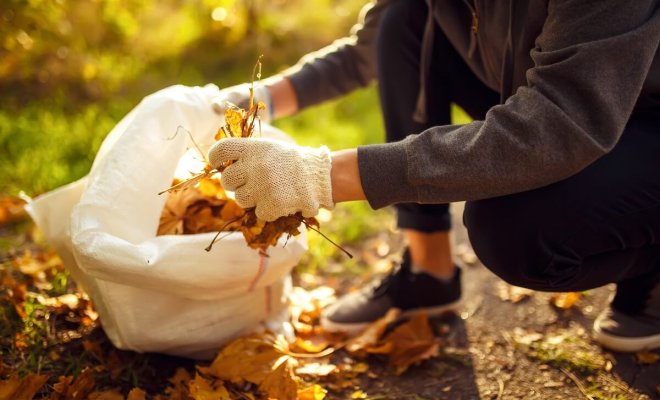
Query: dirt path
{"type": "Point", "coordinates": [482, 360]}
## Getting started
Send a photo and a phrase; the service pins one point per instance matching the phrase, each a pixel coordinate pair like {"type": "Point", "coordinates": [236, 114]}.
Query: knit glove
{"type": "Point", "coordinates": [239, 95]}
{"type": "Point", "coordinates": [277, 178]}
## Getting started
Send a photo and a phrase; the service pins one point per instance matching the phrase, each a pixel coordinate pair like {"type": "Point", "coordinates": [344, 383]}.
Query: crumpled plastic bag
{"type": "Point", "coordinates": [162, 293]}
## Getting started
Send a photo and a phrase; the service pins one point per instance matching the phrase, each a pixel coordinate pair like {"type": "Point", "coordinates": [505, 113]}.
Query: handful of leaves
{"type": "Point", "coordinates": [199, 204]}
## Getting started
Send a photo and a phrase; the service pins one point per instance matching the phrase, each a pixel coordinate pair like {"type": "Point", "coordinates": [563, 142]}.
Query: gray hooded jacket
{"type": "Point", "coordinates": [571, 74]}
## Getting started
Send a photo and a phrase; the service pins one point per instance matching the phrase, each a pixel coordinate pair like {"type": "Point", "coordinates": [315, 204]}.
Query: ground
{"type": "Point", "coordinates": [483, 361]}
{"type": "Point", "coordinates": [495, 349]}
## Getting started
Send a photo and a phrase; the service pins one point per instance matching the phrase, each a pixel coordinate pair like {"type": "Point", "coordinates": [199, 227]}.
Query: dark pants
{"type": "Point", "coordinates": [599, 226]}
{"type": "Point", "coordinates": [398, 50]}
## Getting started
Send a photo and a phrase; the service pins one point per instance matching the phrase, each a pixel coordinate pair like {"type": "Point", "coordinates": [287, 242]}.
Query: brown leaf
{"type": "Point", "coordinates": [136, 394]}
{"type": "Point", "coordinates": [12, 209]}
{"type": "Point", "coordinates": [70, 388]}
{"type": "Point", "coordinates": [412, 343]}
{"type": "Point", "coordinates": [16, 388]}
{"type": "Point", "coordinates": [371, 336]}
{"type": "Point", "coordinates": [112, 394]}
{"type": "Point", "coordinates": [647, 357]}
{"type": "Point", "coordinates": [202, 389]}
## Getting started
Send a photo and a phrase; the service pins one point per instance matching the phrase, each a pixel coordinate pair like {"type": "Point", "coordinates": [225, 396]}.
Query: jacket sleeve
{"type": "Point", "coordinates": [341, 67]}
{"type": "Point", "coordinates": [590, 62]}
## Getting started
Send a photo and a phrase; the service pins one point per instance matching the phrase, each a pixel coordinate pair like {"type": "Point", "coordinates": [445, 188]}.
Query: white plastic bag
{"type": "Point", "coordinates": [161, 293]}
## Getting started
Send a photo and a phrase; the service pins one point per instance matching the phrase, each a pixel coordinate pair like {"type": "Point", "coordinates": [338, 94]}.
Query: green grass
{"type": "Point", "coordinates": [43, 147]}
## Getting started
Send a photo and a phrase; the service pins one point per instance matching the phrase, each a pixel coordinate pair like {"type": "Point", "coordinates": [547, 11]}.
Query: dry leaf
{"type": "Point", "coordinates": [316, 369]}
{"type": "Point", "coordinates": [565, 301]}
{"type": "Point", "coordinates": [199, 204]}
{"type": "Point", "coordinates": [136, 394]}
{"type": "Point", "coordinates": [259, 359]}
{"type": "Point", "coordinates": [514, 294]}
{"type": "Point", "coordinates": [11, 209]}
{"type": "Point", "coordinates": [314, 392]}
{"type": "Point", "coordinates": [179, 388]}
{"type": "Point", "coordinates": [371, 336]}
{"type": "Point", "coordinates": [647, 357]}
{"type": "Point", "coordinates": [112, 394]}
{"type": "Point", "coordinates": [412, 343]}
{"type": "Point", "coordinates": [281, 383]}
{"type": "Point", "coordinates": [70, 388]}
{"type": "Point", "coordinates": [202, 389]}
{"type": "Point", "coordinates": [16, 388]}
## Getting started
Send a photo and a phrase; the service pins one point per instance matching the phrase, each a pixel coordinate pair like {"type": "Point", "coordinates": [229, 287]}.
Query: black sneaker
{"type": "Point", "coordinates": [632, 321]}
{"type": "Point", "coordinates": [402, 289]}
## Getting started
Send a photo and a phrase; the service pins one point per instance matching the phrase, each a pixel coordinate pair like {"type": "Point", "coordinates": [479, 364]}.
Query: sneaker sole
{"type": "Point", "coordinates": [353, 329]}
{"type": "Point", "coordinates": [626, 344]}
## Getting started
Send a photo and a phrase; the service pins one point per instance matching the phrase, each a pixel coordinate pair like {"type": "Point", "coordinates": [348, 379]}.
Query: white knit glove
{"type": "Point", "coordinates": [277, 178]}
{"type": "Point", "coordinates": [239, 95]}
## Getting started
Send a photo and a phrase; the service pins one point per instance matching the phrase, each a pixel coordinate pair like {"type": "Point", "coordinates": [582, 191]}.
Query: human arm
{"type": "Point", "coordinates": [330, 72]}
{"type": "Point", "coordinates": [280, 179]}
{"type": "Point", "coordinates": [590, 62]}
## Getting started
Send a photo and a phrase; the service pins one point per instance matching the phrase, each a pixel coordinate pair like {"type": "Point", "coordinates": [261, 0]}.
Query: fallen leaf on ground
{"type": "Point", "coordinates": [25, 388]}
{"type": "Point", "coordinates": [647, 357]}
{"type": "Point", "coordinates": [112, 394]}
{"type": "Point", "coordinates": [259, 359]}
{"type": "Point", "coordinates": [370, 337]}
{"type": "Point", "coordinates": [70, 388]}
{"type": "Point", "coordinates": [316, 369]}
{"type": "Point", "coordinates": [314, 392]}
{"type": "Point", "coordinates": [412, 343]}
{"type": "Point", "coordinates": [136, 394]}
{"type": "Point", "coordinates": [565, 301]}
{"type": "Point", "coordinates": [202, 389]}
{"type": "Point", "coordinates": [179, 386]}
{"type": "Point", "coordinates": [514, 294]}
{"type": "Point", "coordinates": [12, 209]}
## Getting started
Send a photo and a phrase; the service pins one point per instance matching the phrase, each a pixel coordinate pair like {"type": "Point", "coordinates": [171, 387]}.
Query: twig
{"type": "Point", "coordinates": [577, 383]}
{"type": "Point", "coordinates": [326, 238]}
{"type": "Point", "coordinates": [500, 382]}
{"type": "Point", "coordinates": [215, 238]}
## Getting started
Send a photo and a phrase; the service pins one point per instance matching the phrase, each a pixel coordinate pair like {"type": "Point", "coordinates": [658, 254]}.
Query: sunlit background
{"type": "Point", "coordinates": [69, 70]}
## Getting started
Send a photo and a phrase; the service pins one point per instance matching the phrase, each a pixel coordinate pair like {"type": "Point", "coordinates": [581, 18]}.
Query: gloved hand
{"type": "Point", "coordinates": [277, 178]}
{"type": "Point", "coordinates": [239, 95]}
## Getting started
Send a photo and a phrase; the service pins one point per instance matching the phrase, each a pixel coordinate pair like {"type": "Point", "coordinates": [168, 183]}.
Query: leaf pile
{"type": "Point", "coordinates": [200, 204]}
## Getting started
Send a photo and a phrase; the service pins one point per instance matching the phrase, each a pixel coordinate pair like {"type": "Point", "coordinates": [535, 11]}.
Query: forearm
{"type": "Point", "coordinates": [345, 177]}
{"type": "Point", "coordinates": [283, 96]}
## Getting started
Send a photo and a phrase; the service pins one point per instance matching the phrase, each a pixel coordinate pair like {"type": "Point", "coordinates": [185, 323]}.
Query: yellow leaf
{"type": "Point", "coordinates": [202, 389]}
{"type": "Point", "coordinates": [179, 388]}
{"type": "Point", "coordinates": [234, 120]}
{"type": "Point", "coordinates": [259, 359]}
{"type": "Point", "coordinates": [314, 392]}
{"type": "Point", "coordinates": [358, 394]}
{"type": "Point", "coordinates": [280, 383]}
{"type": "Point", "coordinates": [565, 300]}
